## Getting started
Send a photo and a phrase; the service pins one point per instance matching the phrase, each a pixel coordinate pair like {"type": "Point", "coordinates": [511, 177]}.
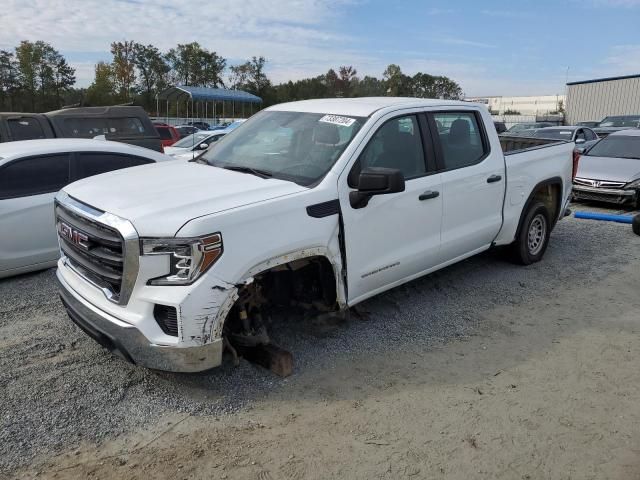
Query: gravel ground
{"type": "Point", "coordinates": [60, 388]}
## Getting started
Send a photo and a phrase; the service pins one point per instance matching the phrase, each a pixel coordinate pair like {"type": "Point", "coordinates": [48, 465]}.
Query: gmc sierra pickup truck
{"type": "Point", "coordinates": [313, 206]}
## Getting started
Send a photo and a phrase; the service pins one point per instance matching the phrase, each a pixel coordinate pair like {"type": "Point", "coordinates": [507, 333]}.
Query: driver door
{"type": "Point", "coordinates": [396, 236]}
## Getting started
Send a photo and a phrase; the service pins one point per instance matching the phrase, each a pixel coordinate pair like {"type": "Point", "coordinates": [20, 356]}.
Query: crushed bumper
{"type": "Point", "coordinates": [127, 341]}
{"type": "Point", "coordinates": [609, 195]}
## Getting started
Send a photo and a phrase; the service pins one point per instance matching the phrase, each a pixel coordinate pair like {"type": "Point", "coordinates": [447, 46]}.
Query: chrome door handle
{"type": "Point", "coordinates": [494, 178]}
{"type": "Point", "coordinates": [428, 194]}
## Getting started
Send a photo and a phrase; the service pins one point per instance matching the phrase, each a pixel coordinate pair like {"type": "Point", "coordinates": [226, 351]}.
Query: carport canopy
{"type": "Point", "coordinates": [205, 94]}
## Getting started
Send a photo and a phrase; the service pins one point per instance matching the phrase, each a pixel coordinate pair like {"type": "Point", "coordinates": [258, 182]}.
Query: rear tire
{"type": "Point", "coordinates": [533, 238]}
{"type": "Point", "coordinates": [635, 224]}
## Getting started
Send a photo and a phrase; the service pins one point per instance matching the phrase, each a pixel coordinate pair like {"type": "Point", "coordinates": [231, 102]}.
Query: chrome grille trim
{"type": "Point", "coordinates": [590, 182]}
{"type": "Point", "coordinates": [130, 245]}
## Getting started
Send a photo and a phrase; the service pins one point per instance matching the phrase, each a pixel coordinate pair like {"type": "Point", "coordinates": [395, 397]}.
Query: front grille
{"type": "Point", "coordinates": [167, 318]}
{"type": "Point", "coordinates": [94, 250]}
{"type": "Point", "coordinates": [587, 182]}
{"type": "Point", "coordinates": [599, 197]}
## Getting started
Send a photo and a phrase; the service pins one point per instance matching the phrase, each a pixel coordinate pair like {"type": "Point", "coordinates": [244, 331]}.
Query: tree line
{"type": "Point", "coordinates": [36, 77]}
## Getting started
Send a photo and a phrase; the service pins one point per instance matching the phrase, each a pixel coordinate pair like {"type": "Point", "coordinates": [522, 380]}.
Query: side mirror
{"type": "Point", "coordinates": [580, 140]}
{"type": "Point", "coordinates": [376, 181]}
{"type": "Point", "coordinates": [203, 146]}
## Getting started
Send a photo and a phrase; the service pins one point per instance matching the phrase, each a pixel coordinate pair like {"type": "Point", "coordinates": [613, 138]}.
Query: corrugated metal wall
{"type": "Point", "coordinates": [594, 101]}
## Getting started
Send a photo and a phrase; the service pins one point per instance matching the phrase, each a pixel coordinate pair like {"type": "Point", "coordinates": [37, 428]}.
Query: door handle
{"type": "Point", "coordinates": [494, 178]}
{"type": "Point", "coordinates": [428, 194]}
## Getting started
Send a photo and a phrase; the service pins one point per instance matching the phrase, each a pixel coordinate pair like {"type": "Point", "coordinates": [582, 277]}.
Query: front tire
{"type": "Point", "coordinates": [533, 237]}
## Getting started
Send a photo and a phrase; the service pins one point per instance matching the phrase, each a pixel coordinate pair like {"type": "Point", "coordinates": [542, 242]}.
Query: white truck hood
{"type": "Point", "coordinates": [160, 198]}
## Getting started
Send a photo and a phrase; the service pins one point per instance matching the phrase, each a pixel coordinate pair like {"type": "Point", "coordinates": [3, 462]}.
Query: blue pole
{"type": "Point", "coordinates": [606, 217]}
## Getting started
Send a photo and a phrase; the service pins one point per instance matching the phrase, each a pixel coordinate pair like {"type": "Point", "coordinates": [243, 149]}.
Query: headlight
{"type": "Point", "coordinates": [634, 184]}
{"type": "Point", "coordinates": [188, 257]}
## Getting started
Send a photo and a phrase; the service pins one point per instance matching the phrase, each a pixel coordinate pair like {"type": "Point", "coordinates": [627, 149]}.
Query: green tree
{"type": "Point", "coordinates": [9, 79]}
{"type": "Point", "coordinates": [152, 72]}
{"type": "Point", "coordinates": [124, 68]}
{"type": "Point", "coordinates": [397, 83]}
{"type": "Point", "coordinates": [369, 87]}
{"type": "Point", "coordinates": [193, 65]}
{"type": "Point", "coordinates": [424, 85]}
{"type": "Point", "coordinates": [346, 79]}
{"type": "Point", "coordinates": [102, 91]}
{"type": "Point", "coordinates": [250, 76]}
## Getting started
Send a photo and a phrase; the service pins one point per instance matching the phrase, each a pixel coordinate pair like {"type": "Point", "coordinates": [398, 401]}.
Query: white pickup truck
{"type": "Point", "coordinates": [314, 205]}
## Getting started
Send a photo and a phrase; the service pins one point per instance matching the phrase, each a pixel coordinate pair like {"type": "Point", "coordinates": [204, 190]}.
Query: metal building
{"type": "Point", "coordinates": [596, 99]}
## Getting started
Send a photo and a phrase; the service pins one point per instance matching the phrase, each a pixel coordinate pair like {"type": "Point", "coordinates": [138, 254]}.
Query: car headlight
{"type": "Point", "coordinates": [634, 184]}
{"type": "Point", "coordinates": [188, 257]}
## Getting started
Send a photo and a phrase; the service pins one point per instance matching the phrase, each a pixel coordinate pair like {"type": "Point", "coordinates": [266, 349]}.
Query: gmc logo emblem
{"type": "Point", "coordinates": [74, 236]}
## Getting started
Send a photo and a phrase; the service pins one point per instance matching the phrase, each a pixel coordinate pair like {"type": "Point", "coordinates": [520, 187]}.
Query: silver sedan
{"type": "Point", "coordinates": [610, 170]}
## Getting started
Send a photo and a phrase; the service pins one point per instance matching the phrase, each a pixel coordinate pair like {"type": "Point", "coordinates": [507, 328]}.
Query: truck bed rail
{"type": "Point", "coordinates": [515, 144]}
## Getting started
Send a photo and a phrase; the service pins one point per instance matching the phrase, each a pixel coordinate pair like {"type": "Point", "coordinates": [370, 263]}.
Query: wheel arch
{"type": "Point", "coordinates": [542, 191]}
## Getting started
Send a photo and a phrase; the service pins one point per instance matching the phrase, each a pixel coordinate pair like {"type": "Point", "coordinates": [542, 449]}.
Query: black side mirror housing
{"type": "Point", "coordinates": [376, 181]}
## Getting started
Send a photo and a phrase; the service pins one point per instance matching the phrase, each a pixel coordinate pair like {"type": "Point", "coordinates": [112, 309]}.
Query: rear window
{"type": "Point", "coordinates": [621, 121]}
{"type": "Point", "coordinates": [92, 127]}
{"type": "Point", "coordinates": [618, 146]}
{"type": "Point", "coordinates": [164, 132]}
{"type": "Point", "coordinates": [25, 128]}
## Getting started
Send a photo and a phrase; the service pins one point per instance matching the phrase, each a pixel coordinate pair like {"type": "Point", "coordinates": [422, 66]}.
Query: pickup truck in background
{"type": "Point", "coordinates": [119, 123]}
{"type": "Point", "coordinates": [313, 206]}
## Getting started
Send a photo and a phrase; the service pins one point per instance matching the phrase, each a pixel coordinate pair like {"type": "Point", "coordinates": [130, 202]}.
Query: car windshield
{"type": "Point", "coordinates": [295, 146]}
{"type": "Point", "coordinates": [561, 134]}
{"type": "Point", "coordinates": [621, 121]}
{"type": "Point", "coordinates": [192, 140]}
{"type": "Point", "coordinates": [618, 146]}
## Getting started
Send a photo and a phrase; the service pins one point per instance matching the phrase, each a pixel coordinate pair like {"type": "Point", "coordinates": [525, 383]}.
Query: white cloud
{"type": "Point", "coordinates": [624, 59]}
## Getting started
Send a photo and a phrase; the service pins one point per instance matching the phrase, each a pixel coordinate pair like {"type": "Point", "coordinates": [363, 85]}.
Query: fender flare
{"type": "Point", "coordinates": [545, 183]}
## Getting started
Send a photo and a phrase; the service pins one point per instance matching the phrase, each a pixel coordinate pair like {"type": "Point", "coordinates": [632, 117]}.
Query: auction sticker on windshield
{"type": "Point", "coordinates": [338, 120]}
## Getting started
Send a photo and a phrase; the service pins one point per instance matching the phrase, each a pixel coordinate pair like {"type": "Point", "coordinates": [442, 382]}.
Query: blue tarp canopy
{"type": "Point", "coordinates": [204, 94]}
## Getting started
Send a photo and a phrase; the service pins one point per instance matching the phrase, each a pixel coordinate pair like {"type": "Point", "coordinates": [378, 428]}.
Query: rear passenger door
{"type": "Point", "coordinates": [87, 164]}
{"type": "Point", "coordinates": [473, 182]}
{"type": "Point", "coordinates": [27, 188]}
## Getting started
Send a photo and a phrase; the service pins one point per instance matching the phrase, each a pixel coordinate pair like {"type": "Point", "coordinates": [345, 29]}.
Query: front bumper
{"type": "Point", "coordinates": [128, 342]}
{"type": "Point", "coordinates": [610, 195]}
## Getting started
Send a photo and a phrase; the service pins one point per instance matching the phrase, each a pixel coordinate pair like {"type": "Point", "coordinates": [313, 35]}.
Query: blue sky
{"type": "Point", "coordinates": [489, 47]}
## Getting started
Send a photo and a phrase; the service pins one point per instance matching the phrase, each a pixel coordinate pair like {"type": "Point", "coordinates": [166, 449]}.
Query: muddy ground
{"type": "Point", "coordinates": [539, 379]}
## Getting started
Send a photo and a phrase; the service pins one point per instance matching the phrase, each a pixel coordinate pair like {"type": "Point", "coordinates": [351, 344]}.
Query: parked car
{"type": "Point", "coordinates": [610, 170]}
{"type": "Point", "coordinates": [200, 125]}
{"type": "Point", "coordinates": [520, 128]}
{"type": "Point", "coordinates": [168, 134]}
{"type": "Point", "coordinates": [120, 123]}
{"type": "Point", "coordinates": [615, 123]}
{"type": "Point", "coordinates": [500, 127]}
{"type": "Point", "coordinates": [301, 204]}
{"type": "Point", "coordinates": [589, 123]}
{"type": "Point", "coordinates": [186, 130]}
{"type": "Point", "coordinates": [31, 172]}
{"type": "Point", "coordinates": [193, 145]}
{"type": "Point", "coordinates": [582, 136]}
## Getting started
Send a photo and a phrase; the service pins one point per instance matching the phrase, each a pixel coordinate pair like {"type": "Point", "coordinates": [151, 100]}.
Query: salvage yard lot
{"type": "Point", "coordinates": [482, 370]}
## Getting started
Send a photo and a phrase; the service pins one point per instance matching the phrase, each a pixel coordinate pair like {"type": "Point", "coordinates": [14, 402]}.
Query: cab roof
{"type": "Point", "coordinates": [363, 106]}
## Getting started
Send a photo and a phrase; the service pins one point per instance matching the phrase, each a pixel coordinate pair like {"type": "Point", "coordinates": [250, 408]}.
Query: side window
{"type": "Point", "coordinates": [34, 176]}
{"type": "Point", "coordinates": [460, 139]}
{"type": "Point", "coordinates": [25, 128]}
{"type": "Point", "coordinates": [126, 126]}
{"type": "Point", "coordinates": [580, 135]}
{"type": "Point", "coordinates": [95, 163]}
{"type": "Point", "coordinates": [85, 127]}
{"type": "Point", "coordinates": [397, 144]}
{"type": "Point", "coordinates": [589, 135]}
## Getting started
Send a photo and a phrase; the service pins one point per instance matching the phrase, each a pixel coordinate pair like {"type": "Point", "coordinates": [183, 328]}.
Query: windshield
{"type": "Point", "coordinates": [295, 146]}
{"type": "Point", "coordinates": [618, 146]}
{"type": "Point", "coordinates": [192, 140]}
{"type": "Point", "coordinates": [562, 134]}
{"type": "Point", "coordinates": [621, 121]}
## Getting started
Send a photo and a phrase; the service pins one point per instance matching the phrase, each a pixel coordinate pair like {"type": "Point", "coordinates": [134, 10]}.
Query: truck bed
{"type": "Point", "coordinates": [515, 144]}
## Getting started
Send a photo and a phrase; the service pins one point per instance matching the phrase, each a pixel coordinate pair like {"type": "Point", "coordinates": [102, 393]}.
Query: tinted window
{"type": "Point", "coordinates": [94, 163]}
{"type": "Point", "coordinates": [619, 146]}
{"type": "Point", "coordinates": [126, 126]}
{"type": "Point", "coordinates": [397, 144]}
{"type": "Point", "coordinates": [560, 134]}
{"type": "Point", "coordinates": [33, 176]}
{"type": "Point", "coordinates": [590, 135]}
{"type": "Point", "coordinates": [460, 139]}
{"type": "Point", "coordinates": [164, 132]}
{"type": "Point", "coordinates": [86, 127]}
{"type": "Point", "coordinates": [25, 128]}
